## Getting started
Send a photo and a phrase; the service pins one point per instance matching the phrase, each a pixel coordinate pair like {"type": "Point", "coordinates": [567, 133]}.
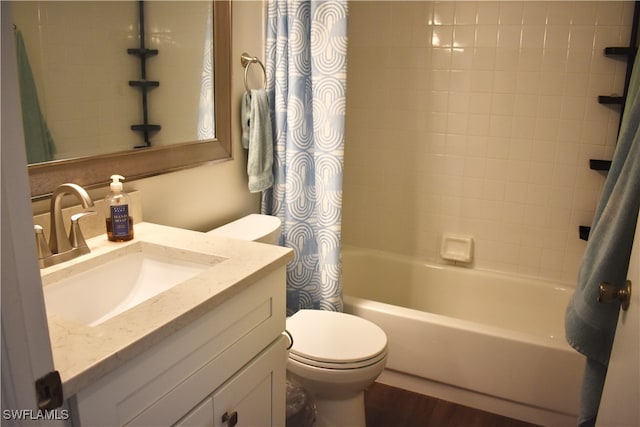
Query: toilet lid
{"type": "Point", "coordinates": [330, 337]}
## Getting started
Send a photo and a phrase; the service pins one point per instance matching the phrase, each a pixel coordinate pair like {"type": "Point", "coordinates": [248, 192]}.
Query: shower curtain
{"type": "Point", "coordinates": [306, 62]}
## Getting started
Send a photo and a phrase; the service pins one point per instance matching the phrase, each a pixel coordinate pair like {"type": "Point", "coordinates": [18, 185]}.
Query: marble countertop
{"type": "Point", "coordinates": [83, 354]}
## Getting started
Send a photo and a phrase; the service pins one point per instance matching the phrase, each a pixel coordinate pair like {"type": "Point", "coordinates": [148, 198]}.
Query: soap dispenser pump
{"type": "Point", "coordinates": [119, 221]}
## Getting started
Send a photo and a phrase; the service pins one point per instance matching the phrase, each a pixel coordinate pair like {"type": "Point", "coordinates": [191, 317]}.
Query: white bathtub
{"type": "Point", "coordinates": [487, 340]}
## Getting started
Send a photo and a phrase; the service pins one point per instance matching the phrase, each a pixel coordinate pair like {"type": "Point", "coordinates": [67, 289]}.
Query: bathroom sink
{"type": "Point", "coordinates": [94, 291]}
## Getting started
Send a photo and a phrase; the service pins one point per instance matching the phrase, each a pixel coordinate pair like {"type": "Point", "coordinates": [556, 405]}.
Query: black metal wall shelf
{"type": "Point", "coordinates": [611, 100]}
{"type": "Point", "coordinates": [620, 51]}
{"type": "Point", "coordinates": [145, 85]}
{"type": "Point", "coordinates": [584, 232]}
{"type": "Point", "coordinates": [143, 52]}
{"type": "Point", "coordinates": [145, 128]}
{"type": "Point", "coordinates": [599, 165]}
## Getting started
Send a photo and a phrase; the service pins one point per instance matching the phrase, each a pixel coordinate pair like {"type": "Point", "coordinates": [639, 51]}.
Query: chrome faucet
{"type": "Point", "coordinates": [62, 248]}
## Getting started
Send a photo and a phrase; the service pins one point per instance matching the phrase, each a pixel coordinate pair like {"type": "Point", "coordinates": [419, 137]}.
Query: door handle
{"type": "Point", "coordinates": [230, 418]}
{"type": "Point", "coordinates": [609, 293]}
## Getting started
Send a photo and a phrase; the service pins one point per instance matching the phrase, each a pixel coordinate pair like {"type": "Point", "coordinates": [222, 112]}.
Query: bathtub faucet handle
{"type": "Point", "coordinates": [609, 293]}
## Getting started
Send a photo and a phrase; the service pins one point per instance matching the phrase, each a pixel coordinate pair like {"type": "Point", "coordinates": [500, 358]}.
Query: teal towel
{"type": "Point", "coordinates": [38, 140]}
{"type": "Point", "coordinates": [257, 137]}
{"type": "Point", "coordinates": [590, 326]}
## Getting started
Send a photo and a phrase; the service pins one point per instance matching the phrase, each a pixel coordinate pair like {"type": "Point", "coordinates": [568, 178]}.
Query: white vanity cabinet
{"type": "Point", "coordinates": [226, 367]}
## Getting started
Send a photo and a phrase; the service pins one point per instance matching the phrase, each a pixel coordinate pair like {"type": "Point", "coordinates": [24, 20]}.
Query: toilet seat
{"type": "Point", "coordinates": [337, 365]}
{"type": "Point", "coordinates": [333, 340]}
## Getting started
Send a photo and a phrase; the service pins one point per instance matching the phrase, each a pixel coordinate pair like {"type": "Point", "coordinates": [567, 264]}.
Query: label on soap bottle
{"type": "Point", "coordinates": [120, 220]}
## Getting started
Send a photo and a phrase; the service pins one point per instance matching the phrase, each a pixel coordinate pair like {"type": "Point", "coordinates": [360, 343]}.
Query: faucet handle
{"type": "Point", "coordinates": [75, 233]}
{"type": "Point", "coordinates": [76, 217]}
{"type": "Point", "coordinates": [41, 243]}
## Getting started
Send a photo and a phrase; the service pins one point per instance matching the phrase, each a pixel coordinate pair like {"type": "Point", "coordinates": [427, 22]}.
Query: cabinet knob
{"type": "Point", "coordinates": [230, 418]}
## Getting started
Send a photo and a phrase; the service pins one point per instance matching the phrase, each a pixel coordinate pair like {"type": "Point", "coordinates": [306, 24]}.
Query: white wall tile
{"type": "Point", "coordinates": [526, 104]}
{"type": "Point", "coordinates": [486, 35]}
{"type": "Point", "coordinates": [582, 37]}
{"type": "Point", "coordinates": [502, 103]}
{"type": "Point", "coordinates": [554, 59]}
{"type": "Point", "coordinates": [509, 35]}
{"type": "Point", "coordinates": [478, 124]}
{"type": "Point", "coordinates": [465, 13]}
{"type": "Point", "coordinates": [500, 126]}
{"type": "Point", "coordinates": [584, 13]}
{"type": "Point", "coordinates": [483, 58]}
{"type": "Point", "coordinates": [530, 59]}
{"type": "Point", "coordinates": [511, 13]}
{"type": "Point", "coordinates": [610, 13]}
{"type": "Point", "coordinates": [559, 13]}
{"type": "Point", "coordinates": [488, 13]}
{"type": "Point", "coordinates": [443, 13]}
{"type": "Point", "coordinates": [576, 84]}
{"type": "Point", "coordinates": [534, 13]}
{"type": "Point", "coordinates": [505, 82]}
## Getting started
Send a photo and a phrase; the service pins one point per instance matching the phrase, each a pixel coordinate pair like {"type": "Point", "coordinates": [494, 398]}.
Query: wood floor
{"type": "Point", "coordinates": [393, 407]}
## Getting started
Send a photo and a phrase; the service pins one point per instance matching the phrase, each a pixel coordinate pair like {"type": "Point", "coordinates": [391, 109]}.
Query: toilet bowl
{"type": "Point", "coordinates": [334, 356]}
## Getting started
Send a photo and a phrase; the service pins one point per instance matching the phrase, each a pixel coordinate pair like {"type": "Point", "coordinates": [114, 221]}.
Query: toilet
{"type": "Point", "coordinates": [334, 356]}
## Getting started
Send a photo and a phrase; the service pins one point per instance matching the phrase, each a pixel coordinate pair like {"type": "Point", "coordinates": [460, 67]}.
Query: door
{"type": "Point", "coordinates": [620, 405]}
{"type": "Point", "coordinates": [26, 350]}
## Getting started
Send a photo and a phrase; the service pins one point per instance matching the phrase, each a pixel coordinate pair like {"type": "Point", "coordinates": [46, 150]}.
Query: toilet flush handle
{"type": "Point", "coordinates": [289, 337]}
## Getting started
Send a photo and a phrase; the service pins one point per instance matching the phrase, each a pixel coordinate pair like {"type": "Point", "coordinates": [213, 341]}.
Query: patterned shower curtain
{"type": "Point", "coordinates": [306, 61]}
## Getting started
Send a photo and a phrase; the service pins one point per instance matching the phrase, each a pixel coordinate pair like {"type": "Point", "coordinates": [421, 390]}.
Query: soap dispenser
{"type": "Point", "coordinates": [119, 220]}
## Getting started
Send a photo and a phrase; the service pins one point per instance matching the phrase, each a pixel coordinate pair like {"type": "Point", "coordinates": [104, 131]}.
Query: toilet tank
{"type": "Point", "coordinates": [254, 227]}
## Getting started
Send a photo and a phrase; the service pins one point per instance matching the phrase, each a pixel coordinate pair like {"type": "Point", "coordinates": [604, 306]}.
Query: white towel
{"type": "Point", "coordinates": [257, 137]}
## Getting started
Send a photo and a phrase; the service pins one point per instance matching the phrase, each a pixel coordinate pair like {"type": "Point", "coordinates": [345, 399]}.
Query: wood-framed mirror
{"type": "Point", "coordinates": [94, 170]}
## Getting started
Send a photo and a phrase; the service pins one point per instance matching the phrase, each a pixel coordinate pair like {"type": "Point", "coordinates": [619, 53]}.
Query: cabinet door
{"type": "Point", "coordinates": [200, 416]}
{"type": "Point", "coordinates": [255, 396]}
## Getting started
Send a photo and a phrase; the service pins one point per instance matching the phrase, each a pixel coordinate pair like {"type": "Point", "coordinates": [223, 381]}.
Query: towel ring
{"type": "Point", "coordinates": [246, 60]}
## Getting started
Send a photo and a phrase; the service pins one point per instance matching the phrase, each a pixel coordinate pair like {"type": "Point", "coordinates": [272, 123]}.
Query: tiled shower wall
{"type": "Point", "coordinates": [479, 118]}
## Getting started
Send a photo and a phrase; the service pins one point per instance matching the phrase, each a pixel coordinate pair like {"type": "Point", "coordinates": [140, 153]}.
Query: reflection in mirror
{"type": "Point", "coordinates": [81, 72]}
{"type": "Point", "coordinates": [80, 105]}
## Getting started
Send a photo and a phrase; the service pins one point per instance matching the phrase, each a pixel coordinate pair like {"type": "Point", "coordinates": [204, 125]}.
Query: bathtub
{"type": "Point", "coordinates": [487, 340]}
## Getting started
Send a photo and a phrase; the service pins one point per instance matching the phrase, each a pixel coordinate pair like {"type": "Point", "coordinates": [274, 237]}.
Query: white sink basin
{"type": "Point", "coordinates": [104, 286]}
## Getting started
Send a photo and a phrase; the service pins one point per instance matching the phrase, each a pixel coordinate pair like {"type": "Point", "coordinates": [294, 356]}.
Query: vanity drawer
{"type": "Point", "coordinates": [207, 352]}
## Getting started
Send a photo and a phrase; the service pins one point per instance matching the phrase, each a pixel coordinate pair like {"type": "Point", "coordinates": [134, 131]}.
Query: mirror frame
{"type": "Point", "coordinates": [94, 171]}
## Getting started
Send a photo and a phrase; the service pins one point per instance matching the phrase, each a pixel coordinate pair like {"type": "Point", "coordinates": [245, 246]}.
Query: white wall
{"type": "Point", "coordinates": [207, 196]}
{"type": "Point", "coordinates": [479, 118]}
